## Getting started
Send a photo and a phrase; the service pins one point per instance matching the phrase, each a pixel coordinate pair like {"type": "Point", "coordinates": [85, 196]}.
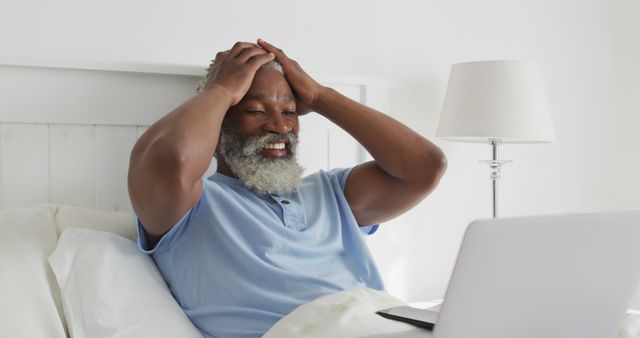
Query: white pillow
{"type": "Point", "coordinates": [27, 301]}
{"type": "Point", "coordinates": [111, 289]}
{"type": "Point", "coordinates": [67, 216]}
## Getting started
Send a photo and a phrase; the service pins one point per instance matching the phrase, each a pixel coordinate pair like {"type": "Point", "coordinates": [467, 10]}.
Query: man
{"type": "Point", "coordinates": [249, 244]}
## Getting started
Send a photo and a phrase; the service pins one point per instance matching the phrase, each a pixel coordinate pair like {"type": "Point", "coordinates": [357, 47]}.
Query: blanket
{"type": "Point", "coordinates": [631, 325]}
{"type": "Point", "coordinates": [351, 314]}
{"type": "Point", "coordinates": [345, 314]}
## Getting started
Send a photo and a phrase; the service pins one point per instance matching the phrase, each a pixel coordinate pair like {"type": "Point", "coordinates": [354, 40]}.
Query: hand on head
{"type": "Point", "coordinates": [304, 87]}
{"type": "Point", "coordinates": [235, 69]}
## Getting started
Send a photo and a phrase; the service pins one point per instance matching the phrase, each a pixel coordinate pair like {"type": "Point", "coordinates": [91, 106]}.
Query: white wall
{"type": "Point", "coordinates": [588, 50]}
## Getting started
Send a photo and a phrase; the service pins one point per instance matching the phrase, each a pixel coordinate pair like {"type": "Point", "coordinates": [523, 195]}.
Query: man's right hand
{"type": "Point", "coordinates": [234, 69]}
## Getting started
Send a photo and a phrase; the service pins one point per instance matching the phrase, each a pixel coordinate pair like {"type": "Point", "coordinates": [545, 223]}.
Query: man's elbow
{"type": "Point", "coordinates": [433, 170]}
{"type": "Point", "coordinates": [162, 161]}
{"type": "Point", "coordinates": [440, 163]}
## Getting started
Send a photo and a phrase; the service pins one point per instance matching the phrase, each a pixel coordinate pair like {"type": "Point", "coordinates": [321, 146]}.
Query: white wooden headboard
{"type": "Point", "coordinates": [67, 128]}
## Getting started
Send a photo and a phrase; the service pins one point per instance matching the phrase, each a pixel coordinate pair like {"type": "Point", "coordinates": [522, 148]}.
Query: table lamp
{"type": "Point", "coordinates": [496, 102]}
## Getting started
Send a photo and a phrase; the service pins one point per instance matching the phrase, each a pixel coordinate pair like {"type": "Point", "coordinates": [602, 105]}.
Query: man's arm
{"type": "Point", "coordinates": [406, 166]}
{"type": "Point", "coordinates": [169, 159]}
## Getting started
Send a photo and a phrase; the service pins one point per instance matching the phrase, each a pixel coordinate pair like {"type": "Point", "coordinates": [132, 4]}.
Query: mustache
{"type": "Point", "coordinates": [261, 173]}
{"type": "Point", "coordinates": [253, 145]}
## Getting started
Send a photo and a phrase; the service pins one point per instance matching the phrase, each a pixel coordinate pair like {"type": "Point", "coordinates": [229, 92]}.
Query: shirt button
{"type": "Point", "coordinates": [285, 202]}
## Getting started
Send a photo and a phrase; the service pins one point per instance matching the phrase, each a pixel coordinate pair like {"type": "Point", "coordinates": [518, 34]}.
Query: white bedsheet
{"type": "Point", "coordinates": [631, 325]}
{"type": "Point", "coordinates": [345, 314]}
{"type": "Point", "coordinates": [351, 314]}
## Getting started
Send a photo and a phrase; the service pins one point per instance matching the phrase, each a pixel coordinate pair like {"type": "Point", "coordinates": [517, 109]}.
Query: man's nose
{"type": "Point", "coordinates": [278, 123]}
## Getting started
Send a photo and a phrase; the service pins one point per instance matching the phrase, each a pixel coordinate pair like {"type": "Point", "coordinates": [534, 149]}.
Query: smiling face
{"type": "Point", "coordinates": [268, 107]}
{"type": "Point", "coordinates": [259, 136]}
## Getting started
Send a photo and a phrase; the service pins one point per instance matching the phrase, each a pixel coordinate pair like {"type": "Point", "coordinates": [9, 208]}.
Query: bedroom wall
{"type": "Point", "coordinates": [587, 49]}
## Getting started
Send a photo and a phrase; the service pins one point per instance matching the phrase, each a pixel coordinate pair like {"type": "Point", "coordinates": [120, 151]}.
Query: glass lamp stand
{"type": "Point", "coordinates": [495, 166]}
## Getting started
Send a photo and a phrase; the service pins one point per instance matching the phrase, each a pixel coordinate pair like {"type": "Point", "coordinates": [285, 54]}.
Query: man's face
{"type": "Point", "coordinates": [268, 107]}
{"type": "Point", "coordinates": [259, 136]}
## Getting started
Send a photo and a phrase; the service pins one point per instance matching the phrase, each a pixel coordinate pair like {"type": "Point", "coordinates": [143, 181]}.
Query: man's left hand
{"type": "Point", "coordinates": [305, 88]}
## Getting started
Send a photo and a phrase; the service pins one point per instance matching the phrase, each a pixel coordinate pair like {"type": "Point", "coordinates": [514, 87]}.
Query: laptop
{"type": "Point", "coordinates": [557, 276]}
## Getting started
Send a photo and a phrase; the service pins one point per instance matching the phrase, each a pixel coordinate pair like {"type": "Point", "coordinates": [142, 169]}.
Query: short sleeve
{"type": "Point", "coordinates": [343, 174]}
{"type": "Point", "coordinates": [144, 246]}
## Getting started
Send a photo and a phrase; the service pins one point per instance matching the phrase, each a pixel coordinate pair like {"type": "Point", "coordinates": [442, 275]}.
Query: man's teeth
{"type": "Point", "coordinates": [274, 146]}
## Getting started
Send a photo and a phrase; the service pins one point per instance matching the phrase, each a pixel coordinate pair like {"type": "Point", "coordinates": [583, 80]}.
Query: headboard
{"type": "Point", "coordinates": [67, 128]}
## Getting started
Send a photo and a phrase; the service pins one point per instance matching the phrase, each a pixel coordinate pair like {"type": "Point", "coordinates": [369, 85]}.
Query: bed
{"type": "Point", "coordinates": [66, 132]}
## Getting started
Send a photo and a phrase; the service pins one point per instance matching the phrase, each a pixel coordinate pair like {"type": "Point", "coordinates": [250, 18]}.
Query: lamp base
{"type": "Point", "coordinates": [495, 166]}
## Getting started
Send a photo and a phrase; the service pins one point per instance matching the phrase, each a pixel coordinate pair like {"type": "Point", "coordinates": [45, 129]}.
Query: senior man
{"type": "Point", "coordinates": [247, 245]}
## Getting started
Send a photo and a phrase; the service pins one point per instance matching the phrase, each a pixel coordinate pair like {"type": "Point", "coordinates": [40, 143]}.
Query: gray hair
{"type": "Point", "coordinates": [262, 174]}
{"type": "Point", "coordinates": [203, 81]}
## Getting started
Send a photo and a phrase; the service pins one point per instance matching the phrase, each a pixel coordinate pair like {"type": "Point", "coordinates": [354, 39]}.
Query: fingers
{"type": "Point", "coordinates": [234, 69]}
{"type": "Point", "coordinates": [258, 61]}
{"type": "Point", "coordinates": [305, 88]}
{"type": "Point", "coordinates": [271, 48]}
{"type": "Point", "coordinates": [220, 57]}
{"type": "Point", "coordinates": [249, 52]}
{"type": "Point", "coordinates": [287, 63]}
{"type": "Point", "coordinates": [241, 51]}
{"type": "Point", "coordinates": [239, 47]}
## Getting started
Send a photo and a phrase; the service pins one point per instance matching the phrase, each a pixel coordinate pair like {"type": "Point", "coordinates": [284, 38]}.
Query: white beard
{"type": "Point", "coordinates": [264, 175]}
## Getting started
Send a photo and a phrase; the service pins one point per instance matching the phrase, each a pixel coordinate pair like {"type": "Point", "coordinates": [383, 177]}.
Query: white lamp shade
{"type": "Point", "coordinates": [504, 100]}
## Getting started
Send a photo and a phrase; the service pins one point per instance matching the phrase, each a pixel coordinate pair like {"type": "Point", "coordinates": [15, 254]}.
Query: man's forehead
{"type": "Point", "coordinates": [264, 97]}
{"type": "Point", "coordinates": [269, 85]}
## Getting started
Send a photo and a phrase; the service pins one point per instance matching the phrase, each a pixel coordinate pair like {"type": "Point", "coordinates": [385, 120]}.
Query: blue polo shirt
{"type": "Point", "coordinates": [237, 262]}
